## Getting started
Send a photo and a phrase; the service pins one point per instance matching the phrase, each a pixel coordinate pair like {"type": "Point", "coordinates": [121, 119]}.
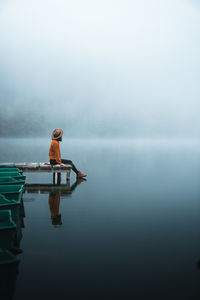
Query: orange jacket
{"type": "Point", "coordinates": [54, 151]}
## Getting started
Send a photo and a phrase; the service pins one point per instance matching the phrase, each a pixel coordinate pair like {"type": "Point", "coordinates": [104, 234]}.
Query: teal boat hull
{"type": "Point", "coordinates": [10, 180]}
{"type": "Point", "coordinates": [15, 175]}
{"type": "Point", "coordinates": [6, 221]}
{"type": "Point", "coordinates": [12, 205]}
{"type": "Point", "coordinates": [9, 270]}
{"type": "Point", "coordinates": [12, 192]}
{"type": "Point", "coordinates": [11, 170]}
{"type": "Point", "coordinates": [7, 238]}
{"type": "Point", "coordinates": [15, 211]}
{"type": "Point", "coordinates": [7, 258]}
{"type": "Point", "coordinates": [7, 230]}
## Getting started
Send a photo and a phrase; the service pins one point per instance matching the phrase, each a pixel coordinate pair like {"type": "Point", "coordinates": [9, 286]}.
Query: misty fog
{"type": "Point", "coordinates": [104, 68]}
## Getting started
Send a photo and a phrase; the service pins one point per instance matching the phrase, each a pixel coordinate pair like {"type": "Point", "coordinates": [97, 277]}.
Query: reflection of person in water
{"type": "Point", "coordinates": [54, 202]}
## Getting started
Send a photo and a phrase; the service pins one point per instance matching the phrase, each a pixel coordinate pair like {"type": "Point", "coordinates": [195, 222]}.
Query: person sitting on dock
{"type": "Point", "coordinates": [55, 156]}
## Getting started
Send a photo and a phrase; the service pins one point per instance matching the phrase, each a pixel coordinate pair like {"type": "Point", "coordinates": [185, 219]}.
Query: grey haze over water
{"type": "Point", "coordinates": [100, 68]}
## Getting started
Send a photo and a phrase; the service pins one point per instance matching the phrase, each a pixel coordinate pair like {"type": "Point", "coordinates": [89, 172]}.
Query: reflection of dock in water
{"type": "Point", "coordinates": [55, 192]}
{"type": "Point", "coordinates": [47, 188]}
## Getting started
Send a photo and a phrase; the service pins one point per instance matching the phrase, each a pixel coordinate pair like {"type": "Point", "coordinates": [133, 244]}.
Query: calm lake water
{"type": "Point", "coordinates": [131, 231]}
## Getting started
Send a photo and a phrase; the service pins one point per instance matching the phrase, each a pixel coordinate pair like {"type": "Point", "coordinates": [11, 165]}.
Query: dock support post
{"type": "Point", "coordinates": [68, 175]}
{"type": "Point", "coordinates": [54, 178]}
{"type": "Point", "coordinates": [58, 178]}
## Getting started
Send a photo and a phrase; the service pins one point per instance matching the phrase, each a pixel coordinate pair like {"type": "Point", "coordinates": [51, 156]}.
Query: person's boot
{"type": "Point", "coordinates": [80, 180]}
{"type": "Point", "coordinates": [80, 174]}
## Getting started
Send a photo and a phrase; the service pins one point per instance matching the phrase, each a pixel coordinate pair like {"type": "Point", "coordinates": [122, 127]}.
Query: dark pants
{"type": "Point", "coordinates": [65, 161]}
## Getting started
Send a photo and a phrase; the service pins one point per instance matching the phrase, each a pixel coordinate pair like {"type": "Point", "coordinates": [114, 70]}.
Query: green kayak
{"type": "Point", "coordinates": [11, 170]}
{"type": "Point", "coordinates": [6, 258]}
{"type": "Point", "coordinates": [12, 205]}
{"type": "Point", "coordinates": [10, 180]}
{"type": "Point", "coordinates": [6, 221]}
{"type": "Point", "coordinates": [13, 192]}
{"type": "Point", "coordinates": [15, 175]}
{"type": "Point", "coordinates": [7, 229]}
{"type": "Point", "coordinates": [9, 270]}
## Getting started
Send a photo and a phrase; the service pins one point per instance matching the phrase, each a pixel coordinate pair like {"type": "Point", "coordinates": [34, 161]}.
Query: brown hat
{"type": "Point", "coordinates": [56, 134]}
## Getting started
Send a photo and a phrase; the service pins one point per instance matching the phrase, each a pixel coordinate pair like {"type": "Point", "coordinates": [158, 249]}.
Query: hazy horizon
{"type": "Point", "coordinates": [100, 68]}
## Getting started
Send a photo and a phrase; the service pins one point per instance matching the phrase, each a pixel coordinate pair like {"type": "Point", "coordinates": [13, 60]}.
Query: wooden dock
{"type": "Point", "coordinates": [42, 167]}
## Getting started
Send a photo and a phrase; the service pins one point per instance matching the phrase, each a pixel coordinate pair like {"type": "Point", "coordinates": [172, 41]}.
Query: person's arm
{"type": "Point", "coordinates": [57, 153]}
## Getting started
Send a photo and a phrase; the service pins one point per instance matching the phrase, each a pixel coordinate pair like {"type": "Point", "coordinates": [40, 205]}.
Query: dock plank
{"type": "Point", "coordinates": [37, 167]}
{"type": "Point", "coordinates": [42, 167]}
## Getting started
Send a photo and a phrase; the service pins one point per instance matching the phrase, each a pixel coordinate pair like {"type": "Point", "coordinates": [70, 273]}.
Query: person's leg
{"type": "Point", "coordinates": [69, 162]}
{"type": "Point", "coordinates": [53, 162]}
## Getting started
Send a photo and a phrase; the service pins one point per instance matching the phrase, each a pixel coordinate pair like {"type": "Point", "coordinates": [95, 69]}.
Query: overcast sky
{"type": "Point", "coordinates": [100, 68]}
